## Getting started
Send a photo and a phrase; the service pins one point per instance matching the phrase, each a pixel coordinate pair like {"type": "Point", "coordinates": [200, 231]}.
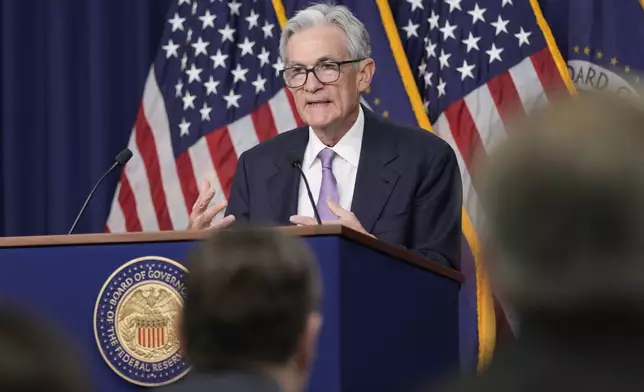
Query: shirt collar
{"type": "Point", "coordinates": [348, 148]}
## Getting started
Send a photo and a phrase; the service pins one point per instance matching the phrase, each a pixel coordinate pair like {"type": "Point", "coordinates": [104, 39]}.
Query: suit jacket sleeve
{"type": "Point", "coordinates": [438, 204]}
{"type": "Point", "coordinates": [239, 199]}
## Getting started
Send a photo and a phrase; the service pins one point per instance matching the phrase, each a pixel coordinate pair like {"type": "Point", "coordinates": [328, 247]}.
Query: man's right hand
{"type": "Point", "coordinates": [201, 216]}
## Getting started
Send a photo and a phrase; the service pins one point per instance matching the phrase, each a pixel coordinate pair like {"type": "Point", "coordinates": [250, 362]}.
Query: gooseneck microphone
{"type": "Point", "coordinates": [120, 160]}
{"type": "Point", "coordinates": [298, 165]}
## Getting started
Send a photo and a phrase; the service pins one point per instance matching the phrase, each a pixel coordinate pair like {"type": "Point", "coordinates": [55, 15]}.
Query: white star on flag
{"type": "Point", "coordinates": [227, 33]}
{"type": "Point", "coordinates": [205, 112]}
{"type": "Point", "coordinates": [232, 99]}
{"type": "Point", "coordinates": [207, 20]}
{"type": "Point", "coordinates": [466, 70]}
{"type": "Point", "coordinates": [494, 53]}
{"type": "Point", "coordinates": [219, 59]}
{"type": "Point", "coordinates": [522, 36]}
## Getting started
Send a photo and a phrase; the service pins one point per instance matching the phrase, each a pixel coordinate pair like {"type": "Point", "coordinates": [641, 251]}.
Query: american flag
{"type": "Point", "coordinates": [478, 64]}
{"type": "Point", "coordinates": [213, 91]}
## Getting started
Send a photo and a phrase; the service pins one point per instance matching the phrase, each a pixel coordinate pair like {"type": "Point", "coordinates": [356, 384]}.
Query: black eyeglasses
{"type": "Point", "coordinates": [326, 72]}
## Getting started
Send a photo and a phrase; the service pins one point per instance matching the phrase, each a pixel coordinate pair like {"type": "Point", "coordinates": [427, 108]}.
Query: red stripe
{"type": "Point", "coordinates": [187, 180]}
{"type": "Point", "coordinates": [291, 101]}
{"type": "Point", "coordinates": [465, 134]}
{"type": "Point", "coordinates": [224, 157]}
{"type": "Point", "coordinates": [548, 73]}
{"type": "Point", "coordinates": [149, 338]}
{"type": "Point", "coordinates": [148, 153]}
{"type": "Point", "coordinates": [162, 336]}
{"type": "Point", "coordinates": [139, 339]}
{"type": "Point", "coordinates": [264, 122]}
{"type": "Point", "coordinates": [128, 205]}
{"type": "Point", "coordinates": [506, 97]}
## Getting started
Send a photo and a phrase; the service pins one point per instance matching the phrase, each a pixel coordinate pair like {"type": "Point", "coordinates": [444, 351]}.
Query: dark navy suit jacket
{"type": "Point", "coordinates": [407, 192]}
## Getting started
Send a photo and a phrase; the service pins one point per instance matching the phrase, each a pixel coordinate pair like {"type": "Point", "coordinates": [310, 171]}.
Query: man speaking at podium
{"type": "Point", "coordinates": [398, 183]}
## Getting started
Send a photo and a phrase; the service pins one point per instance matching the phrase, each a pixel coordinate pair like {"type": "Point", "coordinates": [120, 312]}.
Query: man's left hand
{"type": "Point", "coordinates": [345, 218]}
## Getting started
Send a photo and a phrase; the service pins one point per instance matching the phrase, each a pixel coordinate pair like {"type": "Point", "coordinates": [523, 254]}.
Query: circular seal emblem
{"type": "Point", "coordinates": [135, 321]}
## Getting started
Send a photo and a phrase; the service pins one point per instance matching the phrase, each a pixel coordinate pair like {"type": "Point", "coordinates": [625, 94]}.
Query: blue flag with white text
{"type": "Point", "coordinates": [605, 44]}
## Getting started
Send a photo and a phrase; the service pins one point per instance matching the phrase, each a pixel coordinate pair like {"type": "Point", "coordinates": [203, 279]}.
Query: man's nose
{"type": "Point", "coordinates": [312, 83]}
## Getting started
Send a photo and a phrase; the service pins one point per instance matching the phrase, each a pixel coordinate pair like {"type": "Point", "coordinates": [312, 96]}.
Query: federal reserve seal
{"type": "Point", "coordinates": [135, 321]}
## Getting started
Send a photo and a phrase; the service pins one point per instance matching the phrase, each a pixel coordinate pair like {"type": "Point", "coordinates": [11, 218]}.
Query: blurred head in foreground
{"type": "Point", "coordinates": [35, 356]}
{"type": "Point", "coordinates": [565, 201]}
{"type": "Point", "coordinates": [253, 305]}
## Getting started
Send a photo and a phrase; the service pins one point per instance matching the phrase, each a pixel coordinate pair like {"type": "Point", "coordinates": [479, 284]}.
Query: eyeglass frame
{"type": "Point", "coordinates": [339, 64]}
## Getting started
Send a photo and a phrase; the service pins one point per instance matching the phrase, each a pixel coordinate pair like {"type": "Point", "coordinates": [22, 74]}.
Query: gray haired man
{"type": "Point", "coordinates": [398, 183]}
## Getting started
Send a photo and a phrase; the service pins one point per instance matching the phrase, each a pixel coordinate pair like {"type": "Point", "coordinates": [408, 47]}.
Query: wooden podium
{"type": "Point", "coordinates": [390, 317]}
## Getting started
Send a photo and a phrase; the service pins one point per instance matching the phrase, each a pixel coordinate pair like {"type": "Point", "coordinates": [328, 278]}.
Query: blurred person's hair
{"type": "Point", "coordinates": [37, 355]}
{"type": "Point", "coordinates": [250, 294]}
{"type": "Point", "coordinates": [564, 202]}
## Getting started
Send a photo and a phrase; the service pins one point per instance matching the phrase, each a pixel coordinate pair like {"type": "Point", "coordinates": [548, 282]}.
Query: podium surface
{"type": "Point", "coordinates": [390, 316]}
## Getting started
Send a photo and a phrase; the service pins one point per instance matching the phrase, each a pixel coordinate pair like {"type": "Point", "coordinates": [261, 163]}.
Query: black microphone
{"type": "Point", "coordinates": [298, 165]}
{"type": "Point", "coordinates": [121, 159]}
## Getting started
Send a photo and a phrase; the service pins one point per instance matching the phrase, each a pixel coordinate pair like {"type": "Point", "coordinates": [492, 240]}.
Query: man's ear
{"type": "Point", "coordinates": [307, 346]}
{"type": "Point", "coordinates": [366, 70]}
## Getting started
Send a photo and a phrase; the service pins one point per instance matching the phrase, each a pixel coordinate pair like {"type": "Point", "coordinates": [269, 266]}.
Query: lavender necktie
{"type": "Point", "coordinates": [328, 187]}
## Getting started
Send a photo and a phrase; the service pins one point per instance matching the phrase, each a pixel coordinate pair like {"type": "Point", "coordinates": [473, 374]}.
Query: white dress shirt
{"type": "Point", "coordinates": [345, 167]}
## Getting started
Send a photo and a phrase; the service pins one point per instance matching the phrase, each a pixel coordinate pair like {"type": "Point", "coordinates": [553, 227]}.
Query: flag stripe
{"type": "Point", "coordinates": [223, 157]}
{"type": "Point", "coordinates": [136, 173]}
{"type": "Point", "coordinates": [128, 205]}
{"type": "Point", "coordinates": [291, 101]}
{"type": "Point", "coordinates": [283, 113]}
{"type": "Point", "coordinates": [243, 134]}
{"type": "Point", "coordinates": [481, 104]}
{"type": "Point", "coordinates": [506, 97]}
{"type": "Point", "coordinates": [263, 122]}
{"type": "Point", "coordinates": [116, 219]}
{"type": "Point", "coordinates": [188, 182]}
{"type": "Point", "coordinates": [465, 133]}
{"type": "Point", "coordinates": [146, 145]}
{"type": "Point", "coordinates": [470, 197]}
{"type": "Point", "coordinates": [528, 85]}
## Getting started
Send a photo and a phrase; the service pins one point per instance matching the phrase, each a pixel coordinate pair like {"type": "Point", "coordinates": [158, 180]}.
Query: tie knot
{"type": "Point", "coordinates": [326, 156]}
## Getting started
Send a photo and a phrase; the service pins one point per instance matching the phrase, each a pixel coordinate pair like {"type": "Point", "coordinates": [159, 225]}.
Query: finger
{"type": "Point", "coordinates": [303, 220]}
{"type": "Point", "coordinates": [224, 222]}
{"type": "Point", "coordinates": [338, 211]}
{"type": "Point", "coordinates": [206, 193]}
{"type": "Point", "coordinates": [212, 211]}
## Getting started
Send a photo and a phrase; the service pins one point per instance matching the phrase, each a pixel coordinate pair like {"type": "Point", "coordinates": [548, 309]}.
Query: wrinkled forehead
{"type": "Point", "coordinates": [316, 44]}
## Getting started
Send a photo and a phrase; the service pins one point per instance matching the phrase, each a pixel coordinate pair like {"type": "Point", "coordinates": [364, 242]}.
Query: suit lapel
{"type": "Point", "coordinates": [375, 179]}
{"type": "Point", "coordinates": [282, 182]}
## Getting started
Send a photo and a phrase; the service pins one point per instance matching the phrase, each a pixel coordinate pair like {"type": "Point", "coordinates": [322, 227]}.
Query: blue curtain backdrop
{"type": "Point", "coordinates": [72, 75]}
